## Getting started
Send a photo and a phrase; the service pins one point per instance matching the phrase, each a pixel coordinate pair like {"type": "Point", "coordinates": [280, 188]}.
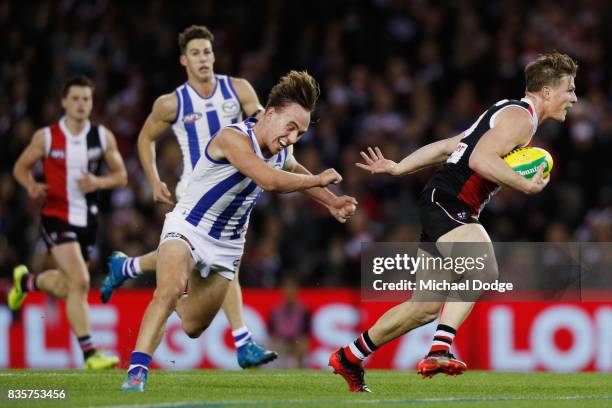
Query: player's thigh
{"type": "Point", "coordinates": [470, 242]}
{"type": "Point", "coordinates": [205, 296]}
{"type": "Point", "coordinates": [69, 259]}
{"type": "Point", "coordinates": [174, 263]}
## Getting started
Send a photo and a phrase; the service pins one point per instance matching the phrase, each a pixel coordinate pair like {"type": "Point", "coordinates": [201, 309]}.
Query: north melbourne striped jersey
{"type": "Point", "coordinates": [219, 198]}
{"type": "Point", "coordinates": [199, 118]}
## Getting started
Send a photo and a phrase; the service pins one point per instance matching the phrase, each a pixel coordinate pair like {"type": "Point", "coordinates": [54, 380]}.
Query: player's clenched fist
{"type": "Point", "coordinates": [329, 176]}
{"type": "Point", "coordinates": [343, 208]}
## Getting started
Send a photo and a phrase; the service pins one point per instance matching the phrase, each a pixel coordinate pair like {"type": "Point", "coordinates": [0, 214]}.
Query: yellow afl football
{"type": "Point", "coordinates": [526, 160]}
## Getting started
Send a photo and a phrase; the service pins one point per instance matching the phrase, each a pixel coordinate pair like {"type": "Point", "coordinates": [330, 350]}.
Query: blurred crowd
{"type": "Point", "coordinates": [394, 74]}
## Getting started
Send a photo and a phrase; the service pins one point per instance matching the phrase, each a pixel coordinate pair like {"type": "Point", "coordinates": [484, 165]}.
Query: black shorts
{"type": "Point", "coordinates": [55, 232]}
{"type": "Point", "coordinates": [441, 212]}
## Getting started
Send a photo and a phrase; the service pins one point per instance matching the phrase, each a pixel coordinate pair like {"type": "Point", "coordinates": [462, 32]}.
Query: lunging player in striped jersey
{"type": "Point", "coordinates": [203, 237]}
{"type": "Point", "coordinates": [195, 112]}
{"type": "Point", "coordinates": [71, 152]}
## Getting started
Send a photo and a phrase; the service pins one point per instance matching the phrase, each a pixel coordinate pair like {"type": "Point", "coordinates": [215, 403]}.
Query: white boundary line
{"type": "Point", "coordinates": [187, 404]}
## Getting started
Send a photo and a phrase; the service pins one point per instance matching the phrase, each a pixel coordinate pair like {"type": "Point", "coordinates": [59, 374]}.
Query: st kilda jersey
{"type": "Point", "coordinates": [455, 176]}
{"type": "Point", "coordinates": [67, 158]}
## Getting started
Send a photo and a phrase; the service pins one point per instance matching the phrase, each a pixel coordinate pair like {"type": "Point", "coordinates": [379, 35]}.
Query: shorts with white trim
{"type": "Point", "coordinates": [210, 255]}
{"type": "Point", "coordinates": [441, 212]}
{"type": "Point", "coordinates": [56, 232]}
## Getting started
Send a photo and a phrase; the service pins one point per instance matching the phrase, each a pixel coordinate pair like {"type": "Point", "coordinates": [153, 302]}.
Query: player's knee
{"type": "Point", "coordinates": [79, 284]}
{"type": "Point", "coordinates": [167, 297]}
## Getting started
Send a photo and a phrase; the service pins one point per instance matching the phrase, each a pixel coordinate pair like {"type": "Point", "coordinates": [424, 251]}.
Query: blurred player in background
{"type": "Point", "coordinates": [71, 152]}
{"type": "Point", "coordinates": [203, 237]}
{"type": "Point", "coordinates": [195, 111]}
{"type": "Point", "coordinates": [451, 202]}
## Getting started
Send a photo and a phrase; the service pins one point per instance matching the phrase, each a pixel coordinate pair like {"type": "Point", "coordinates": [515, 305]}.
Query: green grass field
{"type": "Point", "coordinates": [306, 388]}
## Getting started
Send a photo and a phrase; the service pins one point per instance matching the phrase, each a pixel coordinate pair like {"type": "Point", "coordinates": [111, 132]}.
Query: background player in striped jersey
{"type": "Point", "coordinates": [472, 170]}
{"type": "Point", "coordinates": [195, 111]}
{"type": "Point", "coordinates": [71, 151]}
{"type": "Point", "coordinates": [203, 237]}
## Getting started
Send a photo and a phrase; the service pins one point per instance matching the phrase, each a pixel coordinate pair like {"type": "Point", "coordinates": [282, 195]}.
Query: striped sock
{"type": "Point", "coordinates": [139, 361]}
{"type": "Point", "coordinates": [28, 283]}
{"type": "Point", "coordinates": [241, 337]}
{"type": "Point", "coordinates": [86, 346]}
{"type": "Point", "coordinates": [131, 268]}
{"type": "Point", "coordinates": [359, 349]}
{"type": "Point", "coordinates": [443, 339]}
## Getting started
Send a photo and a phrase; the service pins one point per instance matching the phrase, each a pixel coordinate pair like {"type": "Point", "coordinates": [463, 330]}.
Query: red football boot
{"type": "Point", "coordinates": [440, 362]}
{"type": "Point", "coordinates": [353, 374]}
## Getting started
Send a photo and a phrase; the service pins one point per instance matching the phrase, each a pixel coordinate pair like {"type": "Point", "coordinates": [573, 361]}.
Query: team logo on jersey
{"type": "Point", "coordinates": [57, 154]}
{"type": "Point", "coordinates": [192, 117]}
{"type": "Point", "coordinates": [230, 107]}
{"type": "Point", "coordinates": [463, 215]}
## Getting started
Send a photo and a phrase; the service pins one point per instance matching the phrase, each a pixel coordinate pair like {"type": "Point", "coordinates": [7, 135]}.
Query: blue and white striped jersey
{"type": "Point", "coordinates": [219, 198]}
{"type": "Point", "coordinates": [199, 118]}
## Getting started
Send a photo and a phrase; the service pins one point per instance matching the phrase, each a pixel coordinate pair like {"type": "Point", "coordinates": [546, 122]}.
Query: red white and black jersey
{"type": "Point", "coordinates": [455, 176]}
{"type": "Point", "coordinates": [67, 158]}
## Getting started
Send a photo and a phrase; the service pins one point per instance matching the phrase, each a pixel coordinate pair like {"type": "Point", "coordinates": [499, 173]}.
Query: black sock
{"type": "Point", "coordinates": [86, 346]}
{"type": "Point", "coordinates": [28, 283]}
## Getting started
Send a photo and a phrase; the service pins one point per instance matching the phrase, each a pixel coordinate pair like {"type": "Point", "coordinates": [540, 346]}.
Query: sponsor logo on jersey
{"type": "Point", "coordinates": [230, 107]}
{"type": "Point", "coordinates": [57, 154]}
{"type": "Point", "coordinates": [192, 117]}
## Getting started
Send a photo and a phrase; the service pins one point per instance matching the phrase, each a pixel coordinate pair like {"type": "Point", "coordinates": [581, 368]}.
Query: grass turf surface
{"type": "Point", "coordinates": [306, 388]}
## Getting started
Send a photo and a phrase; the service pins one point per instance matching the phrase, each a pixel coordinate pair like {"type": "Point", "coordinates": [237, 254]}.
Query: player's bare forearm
{"type": "Point", "coordinates": [112, 180]}
{"type": "Point", "coordinates": [158, 122]}
{"type": "Point", "coordinates": [28, 158]}
{"type": "Point", "coordinates": [320, 194]}
{"type": "Point", "coordinates": [146, 154]}
{"type": "Point", "coordinates": [429, 155]}
{"type": "Point", "coordinates": [23, 175]}
{"type": "Point", "coordinates": [493, 168]}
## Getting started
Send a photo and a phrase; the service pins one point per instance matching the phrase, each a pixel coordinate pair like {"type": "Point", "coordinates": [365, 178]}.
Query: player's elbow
{"type": "Point", "coordinates": [122, 179]}
{"type": "Point", "coordinates": [476, 163]}
{"type": "Point", "coordinates": [269, 184]}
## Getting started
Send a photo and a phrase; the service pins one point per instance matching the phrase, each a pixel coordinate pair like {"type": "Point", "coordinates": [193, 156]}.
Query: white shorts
{"type": "Point", "coordinates": [209, 254]}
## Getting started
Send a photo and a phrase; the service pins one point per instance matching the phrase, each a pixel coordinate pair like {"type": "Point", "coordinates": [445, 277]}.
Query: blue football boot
{"type": "Point", "coordinates": [114, 278]}
{"type": "Point", "coordinates": [135, 380]}
{"type": "Point", "coordinates": [253, 355]}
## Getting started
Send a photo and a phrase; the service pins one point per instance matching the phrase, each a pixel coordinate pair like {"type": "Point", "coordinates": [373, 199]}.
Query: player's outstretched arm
{"type": "Point", "coordinates": [158, 122]}
{"type": "Point", "coordinates": [247, 96]}
{"type": "Point", "coordinates": [513, 128]}
{"type": "Point", "coordinates": [341, 208]}
{"type": "Point", "coordinates": [22, 170]}
{"type": "Point", "coordinates": [429, 155]}
{"type": "Point", "coordinates": [237, 149]}
{"type": "Point", "coordinates": [117, 176]}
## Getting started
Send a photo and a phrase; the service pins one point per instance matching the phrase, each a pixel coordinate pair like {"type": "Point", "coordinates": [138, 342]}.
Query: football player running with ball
{"type": "Point", "coordinates": [472, 171]}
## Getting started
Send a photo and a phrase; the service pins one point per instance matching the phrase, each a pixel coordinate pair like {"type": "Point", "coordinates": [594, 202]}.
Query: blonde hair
{"type": "Point", "coordinates": [297, 86]}
{"type": "Point", "coordinates": [548, 70]}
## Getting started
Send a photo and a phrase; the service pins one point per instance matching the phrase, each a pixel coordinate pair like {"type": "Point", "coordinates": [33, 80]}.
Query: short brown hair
{"type": "Point", "coordinates": [79, 80]}
{"type": "Point", "coordinates": [193, 32]}
{"type": "Point", "coordinates": [297, 86]}
{"type": "Point", "coordinates": [548, 70]}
